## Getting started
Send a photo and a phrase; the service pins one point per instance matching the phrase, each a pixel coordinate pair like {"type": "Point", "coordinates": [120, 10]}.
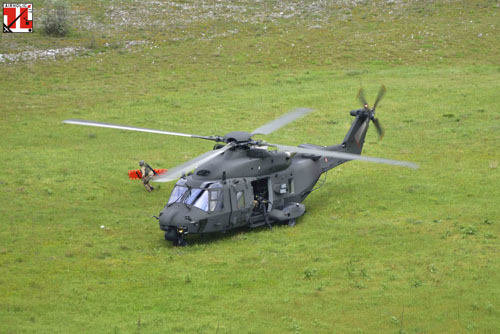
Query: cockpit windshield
{"type": "Point", "coordinates": [208, 198]}
{"type": "Point", "coordinates": [178, 191]}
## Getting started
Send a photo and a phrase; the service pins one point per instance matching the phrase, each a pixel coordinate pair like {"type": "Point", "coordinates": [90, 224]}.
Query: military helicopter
{"type": "Point", "coordinates": [243, 183]}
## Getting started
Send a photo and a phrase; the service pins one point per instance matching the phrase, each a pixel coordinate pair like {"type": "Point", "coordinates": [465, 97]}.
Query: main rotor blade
{"type": "Point", "coordinates": [282, 121]}
{"type": "Point", "coordinates": [133, 128]}
{"type": "Point", "coordinates": [361, 97]}
{"type": "Point", "coordinates": [177, 171]}
{"type": "Point", "coordinates": [344, 156]}
{"type": "Point", "coordinates": [380, 95]}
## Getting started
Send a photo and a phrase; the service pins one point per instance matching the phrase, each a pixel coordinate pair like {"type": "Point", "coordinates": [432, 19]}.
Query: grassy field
{"type": "Point", "coordinates": [381, 249]}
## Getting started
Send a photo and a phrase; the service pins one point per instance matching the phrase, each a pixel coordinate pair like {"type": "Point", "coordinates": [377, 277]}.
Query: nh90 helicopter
{"type": "Point", "coordinates": [242, 183]}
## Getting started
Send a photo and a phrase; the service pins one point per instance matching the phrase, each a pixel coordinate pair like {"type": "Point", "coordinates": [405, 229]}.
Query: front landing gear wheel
{"type": "Point", "coordinates": [291, 222]}
{"type": "Point", "coordinates": [170, 235]}
{"type": "Point", "coordinates": [180, 242]}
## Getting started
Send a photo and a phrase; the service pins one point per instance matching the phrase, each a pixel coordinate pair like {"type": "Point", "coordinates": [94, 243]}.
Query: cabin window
{"type": "Point", "coordinates": [215, 200]}
{"type": "Point", "coordinates": [291, 186]}
{"type": "Point", "coordinates": [240, 199]}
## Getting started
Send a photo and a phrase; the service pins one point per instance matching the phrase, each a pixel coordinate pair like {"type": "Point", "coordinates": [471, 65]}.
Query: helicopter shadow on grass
{"type": "Point", "coordinates": [211, 238]}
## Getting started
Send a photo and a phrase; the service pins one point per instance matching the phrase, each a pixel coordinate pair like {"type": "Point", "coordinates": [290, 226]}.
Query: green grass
{"type": "Point", "coordinates": [381, 249]}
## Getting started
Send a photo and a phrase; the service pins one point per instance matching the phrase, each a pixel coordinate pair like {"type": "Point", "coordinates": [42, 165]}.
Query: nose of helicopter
{"type": "Point", "coordinates": [172, 221]}
{"type": "Point", "coordinates": [179, 219]}
{"type": "Point", "coordinates": [179, 216]}
{"type": "Point", "coordinates": [169, 218]}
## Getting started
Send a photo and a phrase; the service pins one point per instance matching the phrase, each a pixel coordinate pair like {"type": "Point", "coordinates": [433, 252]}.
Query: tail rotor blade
{"type": "Point", "coordinates": [361, 97]}
{"type": "Point", "coordinates": [379, 128]}
{"type": "Point", "coordinates": [380, 95]}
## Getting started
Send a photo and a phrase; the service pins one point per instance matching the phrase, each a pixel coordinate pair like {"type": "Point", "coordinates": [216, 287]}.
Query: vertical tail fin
{"type": "Point", "coordinates": [355, 137]}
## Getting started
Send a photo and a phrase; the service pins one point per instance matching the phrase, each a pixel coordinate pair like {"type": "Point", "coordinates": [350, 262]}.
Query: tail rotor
{"type": "Point", "coordinates": [380, 95]}
{"type": "Point", "coordinates": [371, 112]}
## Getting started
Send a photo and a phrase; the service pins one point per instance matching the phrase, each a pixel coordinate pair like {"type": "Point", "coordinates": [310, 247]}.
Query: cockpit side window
{"type": "Point", "coordinates": [202, 201]}
{"type": "Point", "coordinates": [193, 195]}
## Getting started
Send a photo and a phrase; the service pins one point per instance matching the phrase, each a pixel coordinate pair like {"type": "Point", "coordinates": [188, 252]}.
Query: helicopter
{"type": "Point", "coordinates": [241, 182]}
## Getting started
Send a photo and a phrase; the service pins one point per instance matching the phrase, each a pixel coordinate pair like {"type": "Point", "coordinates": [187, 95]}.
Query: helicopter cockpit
{"type": "Point", "coordinates": [209, 197]}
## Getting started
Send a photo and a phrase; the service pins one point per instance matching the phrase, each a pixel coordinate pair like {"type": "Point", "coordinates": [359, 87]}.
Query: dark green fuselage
{"type": "Point", "coordinates": [244, 184]}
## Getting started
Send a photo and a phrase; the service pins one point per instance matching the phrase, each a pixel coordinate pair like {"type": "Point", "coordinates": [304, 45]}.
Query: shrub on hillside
{"type": "Point", "coordinates": [55, 22]}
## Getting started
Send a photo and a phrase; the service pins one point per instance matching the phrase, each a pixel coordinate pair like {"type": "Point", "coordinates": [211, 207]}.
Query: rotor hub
{"type": "Point", "coordinates": [237, 136]}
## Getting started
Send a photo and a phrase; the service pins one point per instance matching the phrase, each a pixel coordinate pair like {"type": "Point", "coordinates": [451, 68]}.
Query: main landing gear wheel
{"type": "Point", "coordinates": [291, 222]}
